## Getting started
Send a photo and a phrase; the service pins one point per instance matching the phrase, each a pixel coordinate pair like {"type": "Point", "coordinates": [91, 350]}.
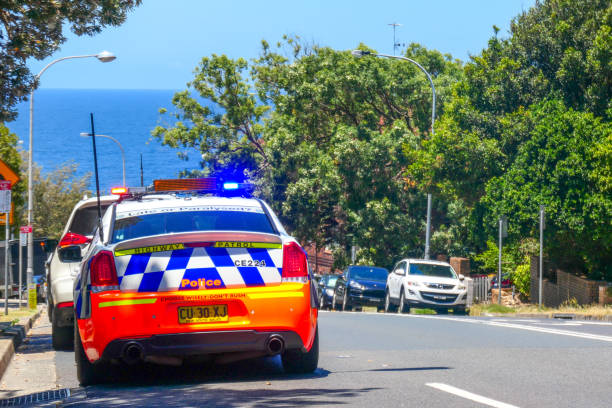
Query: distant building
{"type": "Point", "coordinates": [320, 262]}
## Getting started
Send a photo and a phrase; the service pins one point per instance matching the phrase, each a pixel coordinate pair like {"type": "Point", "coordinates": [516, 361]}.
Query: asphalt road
{"type": "Point", "coordinates": [366, 360]}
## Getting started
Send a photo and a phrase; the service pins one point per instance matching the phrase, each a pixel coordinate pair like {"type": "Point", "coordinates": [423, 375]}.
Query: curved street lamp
{"type": "Point", "coordinates": [360, 53]}
{"type": "Point", "coordinates": [103, 56]}
{"type": "Point", "coordinates": [85, 134]}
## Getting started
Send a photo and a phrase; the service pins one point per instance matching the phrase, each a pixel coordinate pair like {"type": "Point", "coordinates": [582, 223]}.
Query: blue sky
{"type": "Point", "coordinates": [162, 41]}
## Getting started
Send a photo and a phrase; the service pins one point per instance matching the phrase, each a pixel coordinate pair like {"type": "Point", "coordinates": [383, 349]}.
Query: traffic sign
{"type": "Point", "coordinates": [5, 197]}
{"type": "Point", "coordinates": [26, 229]}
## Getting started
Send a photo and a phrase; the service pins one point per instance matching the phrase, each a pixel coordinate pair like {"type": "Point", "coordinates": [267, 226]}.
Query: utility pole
{"type": "Point", "coordinates": [395, 43]}
{"type": "Point", "coordinates": [428, 230]}
{"type": "Point", "coordinates": [503, 232]}
{"type": "Point", "coordinates": [541, 263]}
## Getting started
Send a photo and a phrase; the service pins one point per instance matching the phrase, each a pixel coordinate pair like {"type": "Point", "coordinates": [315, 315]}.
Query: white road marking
{"type": "Point", "coordinates": [470, 395]}
{"type": "Point", "coordinates": [499, 324]}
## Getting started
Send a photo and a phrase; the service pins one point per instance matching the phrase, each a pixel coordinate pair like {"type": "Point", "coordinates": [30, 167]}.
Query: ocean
{"type": "Point", "coordinates": [60, 115]}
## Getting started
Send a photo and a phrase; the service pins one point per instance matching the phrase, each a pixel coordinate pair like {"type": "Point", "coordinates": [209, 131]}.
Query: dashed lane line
{"type": "Point", "coordinates": [470, 395]}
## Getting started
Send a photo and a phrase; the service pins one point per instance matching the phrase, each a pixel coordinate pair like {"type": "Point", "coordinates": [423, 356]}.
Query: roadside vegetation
{"type": "Point", "coordinates": [583, 310]}
{"type": "Point", "coordinates": [342, 146]}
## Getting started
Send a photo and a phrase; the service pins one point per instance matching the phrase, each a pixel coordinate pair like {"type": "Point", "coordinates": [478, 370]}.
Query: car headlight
{"type": "Point", "coordinates": [330, 292]}
{"type": "Point", "coordinates": [356, 285]}
{"type": "Point", "coordinates": [461, 286]}
{"type": "Point", "coordinates": [410, 283]}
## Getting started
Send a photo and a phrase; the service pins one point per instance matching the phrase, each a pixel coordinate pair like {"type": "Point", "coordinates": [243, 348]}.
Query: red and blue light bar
{"type": "Point", "coordinates": [201, 185]}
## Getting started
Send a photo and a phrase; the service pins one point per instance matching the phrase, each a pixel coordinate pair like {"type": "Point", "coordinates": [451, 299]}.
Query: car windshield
{"type": "Point", "coordinates": [331, 281]}
{"type": "Point", "coordinates": [189, 221]}
{"type": "Point", "coordinates": [440, 271]}
{"type": "Point", "coordinates": [369, 272]}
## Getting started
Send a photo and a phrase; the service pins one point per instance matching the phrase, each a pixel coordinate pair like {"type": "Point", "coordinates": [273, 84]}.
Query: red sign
{"type": "Point", "coordinates": [5, 185]}
{"type": "Point", "coordinates": [26, 229]}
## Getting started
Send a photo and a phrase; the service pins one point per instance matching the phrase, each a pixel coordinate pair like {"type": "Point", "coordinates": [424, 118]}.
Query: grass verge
{"type": "Point", "coordinates": [584, 310]}
{"type": "Point", "coordinates": [15, 314]}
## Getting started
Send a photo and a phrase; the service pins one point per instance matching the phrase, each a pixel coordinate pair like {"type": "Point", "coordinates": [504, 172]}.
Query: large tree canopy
{"type": "Point", "coordinates": [342, 147]}
{"type": "Point", "coordinates": [35, 29]}
{"type": "Point", "coordinates": [323, 134]}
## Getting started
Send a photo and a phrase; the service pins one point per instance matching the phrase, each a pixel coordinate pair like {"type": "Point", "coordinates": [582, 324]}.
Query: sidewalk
{"type": "Point", "coordinates": [12, 335]}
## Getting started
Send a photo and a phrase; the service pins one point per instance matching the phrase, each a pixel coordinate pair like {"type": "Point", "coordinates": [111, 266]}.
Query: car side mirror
{"type": "Point", "coordinates": [461, 277]}
{"type": "Point", "coordinates": [70, 254]}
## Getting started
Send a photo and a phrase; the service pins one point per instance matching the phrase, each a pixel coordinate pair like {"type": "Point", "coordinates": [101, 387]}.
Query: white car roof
{"type": "Point", "coordinates": [425, 261]}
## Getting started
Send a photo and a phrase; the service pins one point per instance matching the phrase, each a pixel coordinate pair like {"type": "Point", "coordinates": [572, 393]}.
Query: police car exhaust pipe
{"type": "Point", "coordinates": [133, 353]}
{"type": "Point", "coordinates": [275, 345]}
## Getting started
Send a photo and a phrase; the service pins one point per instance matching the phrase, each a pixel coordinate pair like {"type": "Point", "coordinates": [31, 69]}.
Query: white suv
{"type": "Point", "coordinates": [61, 271]}
{"type": "Point", "coordinates": [426, 284]}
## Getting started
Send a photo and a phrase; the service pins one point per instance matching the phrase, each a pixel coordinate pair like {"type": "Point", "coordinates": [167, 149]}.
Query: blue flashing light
{"type": "Point", "coordinates": [230, 186]}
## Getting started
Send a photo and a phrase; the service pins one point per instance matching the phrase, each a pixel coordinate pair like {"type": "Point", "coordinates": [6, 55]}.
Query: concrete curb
{"type": "Point", "coordinates": [557, 315]}
{"type": "Point", "coordinates": [11, 338]}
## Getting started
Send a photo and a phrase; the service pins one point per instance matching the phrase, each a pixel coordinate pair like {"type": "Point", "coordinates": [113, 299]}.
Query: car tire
{"type": "Point", "coordinates": [403, 307]}
{"type": "Point", "coordinates": [346, 306]}
{"type": "Point", "coordinates": [299, 362]}
{"type": "Point", "coordinates": [50, 308]}
{"type": "Point", "coordinates": [61, 337]}
{"type": "Point", "coordinates": [460, 311]}
{"type": "Point", "coordinates": [388, 305]}
{"type": "Point", "coordinates": [87, 373]}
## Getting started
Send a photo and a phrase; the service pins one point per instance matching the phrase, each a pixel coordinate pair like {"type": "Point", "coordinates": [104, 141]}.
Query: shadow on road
{"type": "Point", "coordinates": [253, 383]}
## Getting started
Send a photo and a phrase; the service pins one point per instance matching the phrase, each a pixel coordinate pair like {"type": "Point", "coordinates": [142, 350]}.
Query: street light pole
{"type": "Point", "coordinates": [85, 134]}
{"type": "Point", "coordinates": [103, 56]}
{"type": "Point", "coordinates": [360, 53]}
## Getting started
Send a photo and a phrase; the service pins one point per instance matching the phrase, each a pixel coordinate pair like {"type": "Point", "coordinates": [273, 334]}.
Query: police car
{"type": "Point", "coordinates": [192, 269]}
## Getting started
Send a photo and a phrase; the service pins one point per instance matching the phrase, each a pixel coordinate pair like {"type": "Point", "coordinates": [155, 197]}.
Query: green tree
{"type": "Point", "coordinates": [323, 134]}
{"type": "Point", "coordinates": [560, 167]}
{"type": "Point", "coordinates": [55, 195]}
{"type": "Point", "coordinates": [9, 153]}
{"type": "Point", "coordinates": [34, 29]}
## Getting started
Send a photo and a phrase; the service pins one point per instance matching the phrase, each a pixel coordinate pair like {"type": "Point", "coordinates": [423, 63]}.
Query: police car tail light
{"type": "Point", "coordinates": [73, 239]}
{"type": "Point", "coordinates": [295, 268]}
{"type": "Point", "coordinates": [103, 272]}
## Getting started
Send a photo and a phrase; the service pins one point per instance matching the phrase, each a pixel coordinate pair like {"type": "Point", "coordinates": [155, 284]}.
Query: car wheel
{"type": "Point", "coordinates": [388, 305]}
{"type": "Point", "coordinates": [61, 337]}
{"type": "Point", "coordinates": [50, 309]}
{"type": "Point", "coordinates": [403, 307]}
{"type": "Point", "coordinates": [460, 311]}
{"type": "Point", "coordinates": [296, 361]}
{"type": "Point", "coordinates": [87, 373]}
{"type": "Point", "coordinates": [346, 306]}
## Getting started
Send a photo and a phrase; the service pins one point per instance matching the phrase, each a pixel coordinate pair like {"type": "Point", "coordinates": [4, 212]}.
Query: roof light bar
{"type": "Point", "coordinates": [128, 190]}
{"type": "Point", "coordinates": [119, 190]}
{"type": "Point", "coordinates": [199, 184]}
{"type": "Point", "coordinates": [231, 186]}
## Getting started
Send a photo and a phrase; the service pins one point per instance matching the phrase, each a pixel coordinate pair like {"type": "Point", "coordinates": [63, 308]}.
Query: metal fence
{"type": "Point", "coordinates": [479, 290]}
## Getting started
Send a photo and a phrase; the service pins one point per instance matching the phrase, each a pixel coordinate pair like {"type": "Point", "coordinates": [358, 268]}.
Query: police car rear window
{"type": "Point", "coordinates": [144, 225]}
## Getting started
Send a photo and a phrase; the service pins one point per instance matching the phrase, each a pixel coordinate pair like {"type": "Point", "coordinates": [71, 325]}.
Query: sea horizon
{"type": "Point", "coordinates": [128, 115]}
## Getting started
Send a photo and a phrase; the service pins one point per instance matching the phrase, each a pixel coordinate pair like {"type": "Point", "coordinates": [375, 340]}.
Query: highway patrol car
{"type": "Point", "coordinates": [192, 272]}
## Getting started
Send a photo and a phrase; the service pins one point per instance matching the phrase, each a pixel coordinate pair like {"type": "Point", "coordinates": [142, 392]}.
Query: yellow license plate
{"type": "Point", "coordinates": [202, 314]}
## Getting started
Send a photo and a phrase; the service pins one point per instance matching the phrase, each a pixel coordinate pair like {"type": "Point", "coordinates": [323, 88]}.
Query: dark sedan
{"type": "Point", "coordinates": [360, 286]}
{"type": "Point", "coordinates": [326, 290]}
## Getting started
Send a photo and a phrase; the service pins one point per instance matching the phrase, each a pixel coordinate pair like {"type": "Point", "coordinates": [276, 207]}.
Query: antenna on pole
{"type": "Point", "coordinates": [395, 43]}
{"type": "Point", "coordinates": [141, 172]}
{"type": "Point", "coordinates": [93, 141]}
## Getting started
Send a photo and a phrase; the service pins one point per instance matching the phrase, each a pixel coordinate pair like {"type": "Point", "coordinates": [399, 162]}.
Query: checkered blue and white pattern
{"type": "Point", "coordinates": [164, 271]}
